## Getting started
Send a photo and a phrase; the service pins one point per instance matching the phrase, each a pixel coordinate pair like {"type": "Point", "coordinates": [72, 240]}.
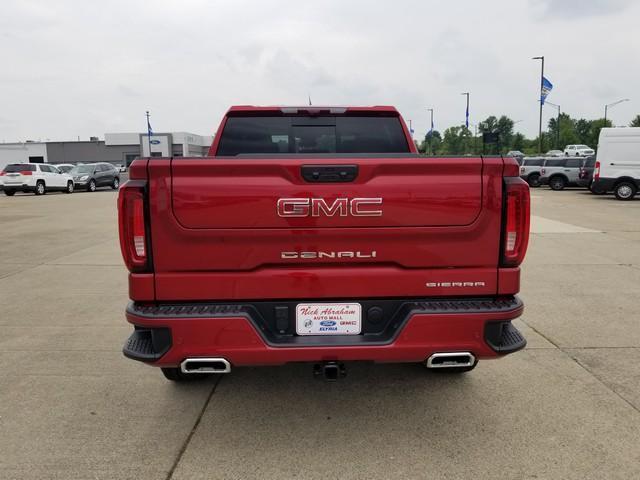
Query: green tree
{"type": "Point", "coordinates": [568, 133]}
{"type": "Point", "coordinates": [518, 142]}
{"type": "Point", "coordinates": [635, 122]}
{"type": "Point", "coordinates": [493, 125]}
{"type": "Point", "coordinates": [504, 128]}
{"type": "Point", "coordinates": [436, 143]}
{"type": "Point", "coordinates": [594, 133]}
{"type": "Point", "coordinates": [456, 141]}
{"type": "Point", "coordinates": [583, 130]}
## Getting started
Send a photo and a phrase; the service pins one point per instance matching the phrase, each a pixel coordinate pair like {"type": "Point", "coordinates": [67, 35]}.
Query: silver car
{"type": "Point", "coordinates": [530, 170]}
{"type": "Point", "coordinates": [559, 173]}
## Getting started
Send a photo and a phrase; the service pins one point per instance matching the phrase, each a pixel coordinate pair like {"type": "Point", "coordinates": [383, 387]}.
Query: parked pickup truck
{"type": "Point", "coordinates": [318, 234]}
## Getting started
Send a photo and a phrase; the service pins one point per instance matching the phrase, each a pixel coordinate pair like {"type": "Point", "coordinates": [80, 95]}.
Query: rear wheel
{"type": "Point", "coordinates": [557, 183]}
{"type": "Point", "coordinates": [597, 191]}
{"type": "Point", "coordinates": [9, 193]}
{"type": "Point", "coordinates": [625, 190]}
{"type": "Point", "coordinates": [176, 375]}
{"type": "Point", "coordinates": [40, 188]}
{"type": "Point", "coordinates": [534, 180]}
{"type": "Point", "coordinates": [69, 188]}
{"type": "Point", "coordinates": [92, 186]}
{"type": "Point", "coordinates": [116, 183]}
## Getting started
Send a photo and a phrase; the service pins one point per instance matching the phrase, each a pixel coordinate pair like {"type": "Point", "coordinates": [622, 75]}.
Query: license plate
{"type": "Point", "coordinates": [328, 318]}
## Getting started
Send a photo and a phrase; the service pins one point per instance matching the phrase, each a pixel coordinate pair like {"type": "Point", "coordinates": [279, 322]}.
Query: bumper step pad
{"type": "Point", "coordinates": [503, 337]}
{"type": "Point", "coordinates": [147, 344]}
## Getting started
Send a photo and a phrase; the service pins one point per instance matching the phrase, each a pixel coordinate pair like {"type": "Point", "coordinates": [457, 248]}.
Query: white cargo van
{"type": "Point", "coordinates": [618, 162]}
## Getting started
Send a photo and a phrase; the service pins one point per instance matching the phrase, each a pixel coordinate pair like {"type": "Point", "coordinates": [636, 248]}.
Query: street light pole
{"type": "Point", "coordinates": [430, 129]}
{"type": "Point", "coordinates": [557, 123]}
{"type": "Point", "coordinates": [540, 100]}
{"type": "Point", "coordinates": [606, 107]}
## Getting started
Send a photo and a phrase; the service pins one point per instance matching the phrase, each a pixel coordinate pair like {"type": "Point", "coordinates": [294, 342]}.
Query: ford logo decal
{"type": "Point", "coordinates": [155, 142]}
{"type": "Point", "coordinates": [327, 323]}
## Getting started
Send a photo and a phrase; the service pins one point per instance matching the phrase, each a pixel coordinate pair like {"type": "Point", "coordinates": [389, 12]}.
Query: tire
{"type": "Point", "coordinates": [41, 189]}
{"type": "Point", "coordinates": [597, 191]}
{"type": "Point", "coordinates": [534, 180]}
{"type": "Point", "coordinates": [9, 193]}
{"type": "Point", "coordinates": [625, 190]}
{"type": "Point", "coordinates": [557, 183]}
{"type": "Point", "coordinates": [116, 183]}
{"type": "Point", "coordinates": [91, 187]}
{"type": "Point", "coordinates": [69, 188]}
{"type": "Point", "coordinates": [176, 375]}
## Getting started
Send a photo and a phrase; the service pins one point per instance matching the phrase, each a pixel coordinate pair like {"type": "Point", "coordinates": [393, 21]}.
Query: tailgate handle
{"type": "Point", "coordinates": [329, 173]}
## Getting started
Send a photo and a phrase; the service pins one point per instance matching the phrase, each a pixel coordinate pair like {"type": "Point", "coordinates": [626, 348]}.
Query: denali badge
{"type": "Point", "coordinates": [319, 255]}
{"type": "Point", "coordinates": [316, 207]}
{"type": "Point", "coordinates": [454, 284]}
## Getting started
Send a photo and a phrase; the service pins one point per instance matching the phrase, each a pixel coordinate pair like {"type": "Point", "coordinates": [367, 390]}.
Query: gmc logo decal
{"type": "Point", "coordinates": [342, 207]}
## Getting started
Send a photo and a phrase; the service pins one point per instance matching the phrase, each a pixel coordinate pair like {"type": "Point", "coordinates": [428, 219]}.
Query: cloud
{"type": "Point", "coordinates": [87, 70]}
{"type": "Point", "coordinates": [577, 9]}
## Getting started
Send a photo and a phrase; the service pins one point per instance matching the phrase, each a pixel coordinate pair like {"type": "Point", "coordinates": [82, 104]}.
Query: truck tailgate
{"type": "Point", "coordinates": [217, 232]}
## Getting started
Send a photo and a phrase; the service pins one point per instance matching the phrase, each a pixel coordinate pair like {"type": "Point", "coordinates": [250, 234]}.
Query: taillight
{"type": "Point", "coordinates": [516, 221]}
{"type": "Point", "coordinates": [542, 171]}
{"type": "Point", "coordinates": [596, 171]}
{"type": "Point", "coordinates": [26, 172]}
{"type": "Point", "coordinates": [134, 243]}
{"type": "Point", "coordinates": [521, 169]}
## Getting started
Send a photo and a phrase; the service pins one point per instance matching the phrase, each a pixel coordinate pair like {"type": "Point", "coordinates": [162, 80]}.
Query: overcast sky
{"type": "Point", "coordinates": [84, 68]}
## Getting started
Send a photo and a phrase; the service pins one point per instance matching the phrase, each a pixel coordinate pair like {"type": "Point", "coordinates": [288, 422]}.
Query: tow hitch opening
{"type": "Point", "coordinates": [329, 371]}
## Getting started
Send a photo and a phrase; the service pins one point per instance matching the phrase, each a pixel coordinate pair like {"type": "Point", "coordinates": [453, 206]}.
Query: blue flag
{"type": "Point", "coordinates": [149, 131]}
{"type": "Point", "coordinates": [431, 131]}
{"type": "Point", "coordinates": [546, 88]}
{"type": "Point", "coordinates": [466, 118]}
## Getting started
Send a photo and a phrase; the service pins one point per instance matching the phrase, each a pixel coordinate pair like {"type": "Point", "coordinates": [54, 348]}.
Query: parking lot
{"type": "Point", "coordinates": [72, 407]}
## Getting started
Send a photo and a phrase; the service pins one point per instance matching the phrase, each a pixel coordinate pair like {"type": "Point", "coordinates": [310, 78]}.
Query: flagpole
{"type": "Point", "coordinates": [148, 134]}
{"type": "Point", "coordinates": [466, 120]}
{"type": "Point", "coordinates": [540, 100]}
{"type": "Point", "coordinates": [431, 130]}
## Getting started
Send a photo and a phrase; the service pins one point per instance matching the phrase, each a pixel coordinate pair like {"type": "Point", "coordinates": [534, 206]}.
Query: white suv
{"type": "Point", "coordinates": [38, 178]}
{"type": "Point", "coordinates": [579, 151]}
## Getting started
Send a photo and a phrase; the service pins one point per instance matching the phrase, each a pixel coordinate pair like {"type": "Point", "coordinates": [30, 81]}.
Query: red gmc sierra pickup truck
{"type": "Point", "coordinates": [318, 234]}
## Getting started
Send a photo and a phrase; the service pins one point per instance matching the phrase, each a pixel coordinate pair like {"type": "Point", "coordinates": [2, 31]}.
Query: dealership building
{"type": "Point", "coordinates": [116, 148]}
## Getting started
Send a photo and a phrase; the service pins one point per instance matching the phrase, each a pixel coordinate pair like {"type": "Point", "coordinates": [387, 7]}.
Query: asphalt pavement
{"type": "Point", "coordinates": [72, 407]}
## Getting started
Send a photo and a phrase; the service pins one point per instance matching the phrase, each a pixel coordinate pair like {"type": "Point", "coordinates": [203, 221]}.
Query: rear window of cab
{"type": "Point", "coordinates": [19, 167]}
{"type": "Point", "coordinates": [312, 135]}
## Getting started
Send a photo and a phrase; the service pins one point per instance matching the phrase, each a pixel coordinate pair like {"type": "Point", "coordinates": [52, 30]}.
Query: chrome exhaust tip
{"type": "Point", "coordinates": [205, 365]}
{"type": "Point", "coordinates": [451, 360]}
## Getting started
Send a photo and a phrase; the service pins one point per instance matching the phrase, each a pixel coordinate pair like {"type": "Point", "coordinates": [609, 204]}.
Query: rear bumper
{"type": "Point", "coordinates": [19, 187]}
{"type": "Point", "coordinates": [165, 335]}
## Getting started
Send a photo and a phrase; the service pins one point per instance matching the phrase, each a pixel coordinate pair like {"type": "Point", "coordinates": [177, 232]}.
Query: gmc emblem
{"type": "Point", "coordinates": [316, 207]}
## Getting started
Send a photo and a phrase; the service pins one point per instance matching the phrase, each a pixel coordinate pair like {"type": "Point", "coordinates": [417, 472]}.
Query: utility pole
{"type": "Point", "coordinates": [430, 130]}
{"type": "Point", "coordinates": [540, 100]}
